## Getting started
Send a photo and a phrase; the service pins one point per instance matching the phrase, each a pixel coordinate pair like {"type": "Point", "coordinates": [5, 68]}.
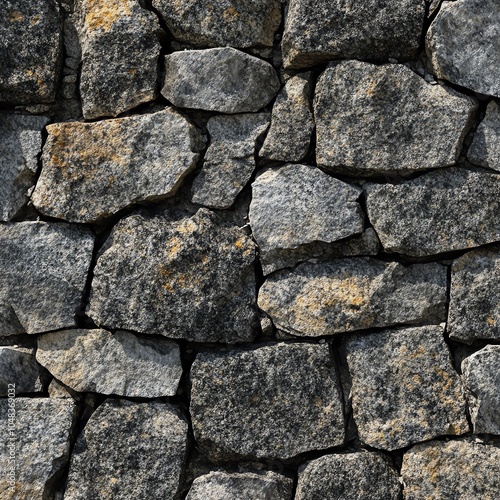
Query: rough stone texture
{"type": "Point", "coordinates": [461, 470]}
{"type": "Point", "coordinates": [292, 122]}
{"type": "Point", "coordinates": [237, 23]}
{"type": "Point", "coordinates": [353, 294]}
{"type": "Point", "coordinates": [120, 51]}
{"type": "Point", "coordinates": [57, 390]}
{"type": "Point", "coordinates": [30, 48]}
{"type": "Point", "coordinates": [21, 142]}
{"type": "Point", "coordinates": [404, 388]}
{"type": "Point", "coordinates": [43, 270]}
{"type": "Point", "coordinates": [129, 450]}
{"type": "Point", "coordinates": [463, 45]}
{"type": "Point", "coordinates": [386, 119]}
{"type": "Point", "coordinates": [474, 311]}
{"type": "Point", "coordinates": [230, 158]}
{"type": "Point", "coordinates": [485, 148]}
{"type": "Point", "coordinates": [272, 402]}
{"type": "Point", "coordinates": [92, 170]}
{"type": "Point", "coordinates": [120, 363]}
{"type": "Point", "coordinates": [441, 211]}
{"type": "Point", "coordinates": [198, 270]}
{"type": "Point", "coordinates": [318, 31]}
{"type": "Point", "coordinates": [244, 486]}
{"type": "Point", "coordinates": [481, 375]}
{"type": "Point", "coordinates": [222, 79]}
{"type": "Point", "coordinates": [351, 476]}
{"type": "Point", "coordinates": [41, 437]}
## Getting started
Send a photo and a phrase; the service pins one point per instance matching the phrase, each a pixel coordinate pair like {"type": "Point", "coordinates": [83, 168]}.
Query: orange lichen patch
{"type": "Point", "coordinates": [174, 247]}
{"type": "Point", "coordinates": [230, 14]}
{"type": "Point", "coordinates": [35, 20]}
{"type": "Point", "coordinates": [102, 14]}
{"type": "Point", "coordinates": [15, 16]}
{"type": "Point", "coordinates": [491, 321]}
{"type": "Point", "coordinates": [240, 242]}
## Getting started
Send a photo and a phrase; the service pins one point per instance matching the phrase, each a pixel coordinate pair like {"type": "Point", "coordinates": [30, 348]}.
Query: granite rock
{"type": "Point", "coordinates": [93, 170]}
{"type": "Point", "coordinates": [43, 270]}
{"type": "Point", "coordinates": [442, 211]}
{"type": "Point", "coordinates": [485, 147]}
{"type": "Point", "coordinates": [343, 295]}
{"type": "Point", "coordinates": [230, 159]}
{"type": "Point", "coordinates": [106, 363]}
{"type": "Point", "coordinates": [272, 402]}
{"type": "Point", "coordinates": [129, 450]}
{"type": "Point", "coordinates": [57, 390]}
{"type": "Point", "coordinates": [222, 79]}
{"type": "Point", "coordinates": [198, 270]}
{"type": "Point", "coordinates": [373, 120]}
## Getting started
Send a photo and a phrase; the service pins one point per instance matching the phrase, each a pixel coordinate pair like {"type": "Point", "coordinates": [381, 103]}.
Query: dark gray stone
{"type": "Point", "coordinates": [485, 148]}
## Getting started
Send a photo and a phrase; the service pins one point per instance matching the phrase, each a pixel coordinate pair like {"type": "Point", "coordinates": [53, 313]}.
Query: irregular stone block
{"type": "Point", "coordinates": [350, 476]}
{"type": "Point", "coordinates": [230, 159]}
{"type": "Point", "coordinates": [106, 363]}
{"type": "Point", "coordinates": [373, 120]}
{"type": "Point", "coordinates": [353, 294]}
{"type": "Point", "coordinates": [192, 279]}
{"type": "Point", "coordinates": [43, 270]}
{"type": "Point", "coordinates": [129, 450]}
{"type": "Point", "coordinates": [292, 122]}
{"type": "Point", "coordinates": [30, 50]}
{"type": "Point", "coordinates": [404, 388]}
{"type": "Point", "coordinates": [237, 23]}
{"type": "Point", "coordinates": [271, 402]}
{"type": "Point", "coordinates": [93, 170]}
{"type": "Point", "coordinates": [335, 29]}
{"type": "Point", "coordinates": [120, 50]}
{"type": "Point", "coordinates": [438, 212]}
{"type": "Point", "coordinates": [481, 375]}
{"type": "Point", "coordinates": [222, 79]}
{"type": "Point", "coordinates": [485, 147]}
{"type": "Point", "coordinates": [57, 391]}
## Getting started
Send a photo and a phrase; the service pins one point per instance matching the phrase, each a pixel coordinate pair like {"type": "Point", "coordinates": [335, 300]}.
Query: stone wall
{"type": "Point", "coordinates": [249, 250]}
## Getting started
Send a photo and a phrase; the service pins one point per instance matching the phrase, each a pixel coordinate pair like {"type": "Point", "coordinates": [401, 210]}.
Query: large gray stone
{"type": "Point", "coordinates": [120, 363]}
{"type": "Point", "coordinates": [43, 270]}
{"type": "Point", "coordinates": [222, 79]}
{"type": "Point", "coordinates": [350, 476]}
{"type": "Point", "coordinates": [237, 23]}
{"type": "Point", "coordinates": [353, 294]}
{"type": "Point", "coordinates": [193, 279]}
{"type": "Point", "coordinates": [463, 44]}
{"type": "Point", "coordinates": [321, 30]}
{"type": "Point", "coordinates": [230, 158]}
{"type": "Point", "coordinates": [441, 211]}
{"type": "Point", "coordinates": [92, 170]}
{"type": "Point", "coordinates": [481, 375]}
{"type": "Point", "coordinates": [271, 402]}
{"type": "Point", "coordinates": [404, 387]}
{"type": "Point", "coordinates": [386, 119]}
{"type": "Point", "coordinates": [485, 147]}
{"type": "Point", "coordinates": [129, 450]}
{"type": "Point", "coordinates": [120, 50]}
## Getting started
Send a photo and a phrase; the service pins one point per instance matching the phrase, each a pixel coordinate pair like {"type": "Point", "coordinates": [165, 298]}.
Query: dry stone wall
{"type": "Point", "coordinates": [249, 250]}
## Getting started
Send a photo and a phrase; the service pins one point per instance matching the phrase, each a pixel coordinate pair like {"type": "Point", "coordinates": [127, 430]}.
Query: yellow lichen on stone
{"type": "Point", "coordinates": [103, 14]}
{"type": "Point", "coordinates": [15, 16]}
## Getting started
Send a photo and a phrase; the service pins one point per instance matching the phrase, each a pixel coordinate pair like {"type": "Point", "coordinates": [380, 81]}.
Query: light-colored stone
{"type": "Point", "coordinates": [485, 148]}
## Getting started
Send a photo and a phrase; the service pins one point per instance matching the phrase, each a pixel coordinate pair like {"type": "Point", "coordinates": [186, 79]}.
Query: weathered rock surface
{"type": "Point", "coordinates": [455, 469]}
{"type": "Point", "coordinates": [244, 486]}
{"type": "Point", "coordinates": [485, 148]}
{"type": "Point", "coordinates": [43, 270]}
{"type": "Point", "coordinates": [351, 476]}
{"type": "Point", "coordinates": [40, 437]}
{"type": "Point", "coordinates": [57, 390]}
{"type": "Point", "coordinates": [353, 294]}
{"type": "Point", "coordinates": [30, 48]}
{"type": "Point", "coordinates": [292, 122]}
{"type": "Point", "coordinates": [404, 387]}
{"type": "Point", "coordinates": [272, 402]}
{"type": "Point", "coordinates": [316, 32]}
{"type": "Point", "coordinates": [230, 158]}
{"type": "Point", "coordinates": [192, 279]}
{"type": "Point", "coordinates": [237, 23]}
{"type": "Point", "coordinates": [441, 211]}
{"type": "Point", "coordinates": [129, 450]}
{"type": "Point", "coordinates": [120, 50]}
{"type": "Point", "coordinates": [481, 375]}
{"type": "Point", "coordinates": [120, 363]}
{"type": "Point", "coordinates": [386, 119]}
{"type": "Point", "coordinates": [474, 311]}
{"type": "Point", "coordinates": [463, 45]}
{"type": "Point", "coordinates": [92, 170]}
{"type": "Point", "coordinates": [222, 79]}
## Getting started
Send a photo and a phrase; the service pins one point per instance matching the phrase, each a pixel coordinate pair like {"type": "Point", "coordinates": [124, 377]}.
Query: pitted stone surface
{"type": "Point", "coordinates": [485, 148]}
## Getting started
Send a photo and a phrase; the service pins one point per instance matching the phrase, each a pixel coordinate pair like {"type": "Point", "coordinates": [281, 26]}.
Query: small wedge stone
{"type": "Point", "coordinates": [485, 148]}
